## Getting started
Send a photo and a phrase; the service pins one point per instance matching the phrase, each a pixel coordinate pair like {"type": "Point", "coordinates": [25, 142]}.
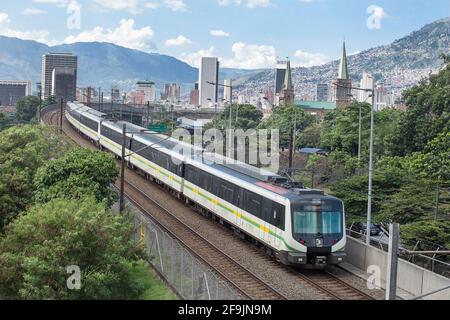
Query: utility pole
{"type": "Point", "coordinates": [369, 196]}
{"type": "Point", "coordinates": [61, 116]}
{"type": "Point", "coordinates": [122, 170]}
{"type": "Point", "coordinates": [148, 114]}
{"type": "Point", "coordinates": [391, 279]}
{"type": "Point", "coordinates": [359, 135]}
{"type": "Point", "coordinates": [291, 148]}
{"type": "Point", "coordinates": [99, 98]}
{"type": "Point", "coordinates": [436, 212]}
{"type": "Point", "coordinates": [101, 103]}
{"type": "Point", "coordinates": [40, 106]}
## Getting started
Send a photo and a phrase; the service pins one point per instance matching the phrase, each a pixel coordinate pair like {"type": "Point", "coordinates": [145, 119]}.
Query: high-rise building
{"type": "Point", "coordinates": [280, 75]}
{"type": "Point", "coordinates": [322, 92]}
{"type": "Point", "coordinates": [227, 91]}
{"type": "Point", "coordinates": [12, 91]}
{"type": "Point", "coordinates": [64, 83]}
{"type": "Point", "coordinates": [149, 90]}
{"type": "Point", "coordinates": [208, 81]}
{"type": "Point", "coordinates": [342, 87]}
{"type": "Point", "coordinates": [174, 93]}
{"type": "Point", "coordinates": [383, 97]}
{"type": "Point", "coordinates": [287, 95]}
{"type": "Point", "coordinates": [195, 97]}
{"type": "Point", "coordinates": [366, 83]}
{"type": "Point", "coordinates": [115, 95]}
{"type": "Point", "coordinates": [51, 61]}
{"type": "Point", "coordinates": [166, 92]}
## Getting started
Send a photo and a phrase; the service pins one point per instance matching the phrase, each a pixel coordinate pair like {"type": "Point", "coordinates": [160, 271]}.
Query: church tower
{"type": "Point", "coordinates": [342, 85]}
{"type": "Point", "coordinates": [287, 95]}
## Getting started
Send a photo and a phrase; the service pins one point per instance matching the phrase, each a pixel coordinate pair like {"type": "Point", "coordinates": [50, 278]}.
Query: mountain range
{"type": "Point", "coordinates": [401, 63]}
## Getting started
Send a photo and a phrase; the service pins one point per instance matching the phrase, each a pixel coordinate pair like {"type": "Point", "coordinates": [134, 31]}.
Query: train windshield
{"type": "Point", "coordinates": [323, 218]}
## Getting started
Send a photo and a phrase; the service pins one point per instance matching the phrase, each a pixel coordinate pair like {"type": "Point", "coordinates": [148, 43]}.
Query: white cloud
{"type": "Point", "coordinates": [258, 3]}
{"type": "Point", "coordinates": [193, 59]}
{"type": "Point", "coordinates": [151, 5]}
{"type": "Point", "coordinates": [251, 56]}
{"type": "Point", "coordinates": [377, 14]}
{"type": "Point", "coordinates": [131, 6]}
{"type": "Point", "coordinates": [126, 35]}
{"type": "Point", "coordinates": [226, 3]}
{"type": "Point", "coordinates": [219, 33]}
{"type": "Point", "coordinates": [32, 11]}
{"type": "Point", "coordinates": [36, 35]}
{"type": "Point", "coordinates": [59, 3]}
{"type": "Point", "coordinates": [176, 5]}
{"type": "Point", "coordinates": [248, 3]}
{"type": "Point", "coordinates": [178, 41]}
{"type": "Point", "coordinates": [245, 56]}
{"type": "Point", "coordinates": [307, 59]}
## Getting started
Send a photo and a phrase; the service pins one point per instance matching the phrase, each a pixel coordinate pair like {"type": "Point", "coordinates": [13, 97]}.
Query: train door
{"type": "Point", "coordinates": [278, 215]}
{"type": "Point", "coordinates": [266, 209]}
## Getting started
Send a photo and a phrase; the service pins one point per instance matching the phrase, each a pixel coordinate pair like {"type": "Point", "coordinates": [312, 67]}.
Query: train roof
{"type": "Point", "coordinates": [85, 109]}
{"type": "Point", "coordinates": [260, 178]}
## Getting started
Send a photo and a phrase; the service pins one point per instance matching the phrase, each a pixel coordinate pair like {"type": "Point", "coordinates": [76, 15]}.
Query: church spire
{"type": "Point", "coordinates": [287, 95]}
{"type": "Point", "coordinates": [343, 67]}
{"type": "Point", "coordinates": [288, 77]}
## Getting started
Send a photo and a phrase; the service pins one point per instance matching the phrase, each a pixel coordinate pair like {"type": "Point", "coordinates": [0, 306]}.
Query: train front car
{"type": "Point", "coordinates": [318, 224]}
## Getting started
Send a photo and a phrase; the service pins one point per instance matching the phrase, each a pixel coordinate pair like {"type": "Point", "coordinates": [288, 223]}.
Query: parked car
{"type": "Point", "coordinates": [361, 227]}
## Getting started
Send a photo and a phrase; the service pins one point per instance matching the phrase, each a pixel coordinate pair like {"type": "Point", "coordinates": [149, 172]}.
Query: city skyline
{"type": "Point", "coordinates": [308, 31]}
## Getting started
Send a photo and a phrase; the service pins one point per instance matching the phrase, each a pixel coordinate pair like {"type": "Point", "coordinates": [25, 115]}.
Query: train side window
{"type": "Point", "coordinates": [266, 210]}
{"type": "Point", "coordinates": [226, 192]}
{"type": "Point", "coordinates": [253, 203]}
{"type": "Point", "coordinates": [215, 186]}
{"type": "Point", "coordinates": [278, 215]}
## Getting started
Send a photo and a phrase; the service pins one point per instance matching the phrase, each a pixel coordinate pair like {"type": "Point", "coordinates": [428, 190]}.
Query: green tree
{"type": "Point", "coordinates": [49, 101]}
{"type": "Point", "coordinates": [80, 172]}
{"type": "Point", "coordinates": [411, 203]}
{"type": "Point", "coordinates": [242, 117]}
{"type": "Point", "coordinates": [38, 247]}
{"type": "Point", "coordinates": [435, 233]}
{"type": "Point", "coordinates": [23, 149]}
{"type": "Point", "coordinates": [353, 191]}
{"type": "Point", "coordinates": [310, 137]}
{"type": "Point", "coordinates": [3, 121]}
{"type": "Point", "coordinates": [285, 118]}
{"type": "Point", "coordinates": [27, 108]}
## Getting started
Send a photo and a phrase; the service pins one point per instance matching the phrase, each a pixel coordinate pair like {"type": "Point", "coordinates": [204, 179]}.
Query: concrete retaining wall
{"type": "Point", "coordinates": [411, 278]}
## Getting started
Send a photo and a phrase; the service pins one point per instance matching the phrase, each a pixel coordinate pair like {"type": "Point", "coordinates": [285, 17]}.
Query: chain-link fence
{"type": "Point", "coordinates": [191, 278]}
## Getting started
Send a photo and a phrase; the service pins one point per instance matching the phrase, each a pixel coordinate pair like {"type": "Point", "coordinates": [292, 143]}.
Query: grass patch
{"type": "Point", "coordinates": [155, 289]}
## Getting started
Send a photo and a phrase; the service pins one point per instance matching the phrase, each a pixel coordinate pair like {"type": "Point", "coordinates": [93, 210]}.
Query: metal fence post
{"type": "Point", "coordinates": [391, 279]}
{"type": "Point", "coordinates": [159, 251]}
{"type": "Point", "coordinates": [207, 286]}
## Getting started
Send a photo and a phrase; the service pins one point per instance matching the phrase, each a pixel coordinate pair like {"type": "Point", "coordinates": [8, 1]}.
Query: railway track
{"type": "Point", "coordinates": [246, 283]}
{"type": "Point", "coordinates": [332, 286]}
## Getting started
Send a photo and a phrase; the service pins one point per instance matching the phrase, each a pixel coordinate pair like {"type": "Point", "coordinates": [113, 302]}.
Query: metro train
{"type": "Point", "coordinates": [298, 226]}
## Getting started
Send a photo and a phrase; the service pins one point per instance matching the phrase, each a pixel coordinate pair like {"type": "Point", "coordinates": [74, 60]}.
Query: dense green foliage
{"type": "Point", "coordinates": [285, 119]}
{"type": "Point", "coordinates": [242, 116]}
{"type": "Point", "coordinates": [54, 213]}
{"type": "Point", "coordinates": [27, 108]}
{"type": "Point", "coordinates": [23, 150]}
{"type": "Point", "coordinates": [39, 246]}
{"type": "Point", "coordinates": [435, 232]}
{"type": "Point", "coordinates": [79, 172]}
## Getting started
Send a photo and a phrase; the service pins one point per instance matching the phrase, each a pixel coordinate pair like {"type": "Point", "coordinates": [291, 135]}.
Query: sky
{"type": "Point", "coordinates": [247, 34]}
